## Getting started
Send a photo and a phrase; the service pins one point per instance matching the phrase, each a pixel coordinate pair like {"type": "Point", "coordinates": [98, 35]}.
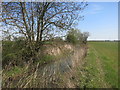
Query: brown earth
{"type": "Point", "coordinates": [61, 73]}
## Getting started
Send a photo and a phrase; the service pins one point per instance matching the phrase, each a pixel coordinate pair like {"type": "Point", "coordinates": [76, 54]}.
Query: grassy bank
{"type": "Point", "coordinates": [102, 65]}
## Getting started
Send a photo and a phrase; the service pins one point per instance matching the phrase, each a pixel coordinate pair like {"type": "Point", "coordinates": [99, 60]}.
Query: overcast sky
{"type": "Point", "coordinates": [101, 20]}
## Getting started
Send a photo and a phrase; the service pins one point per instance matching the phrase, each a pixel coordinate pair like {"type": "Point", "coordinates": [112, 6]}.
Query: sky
{"type": "Point", "coordinates": [100, 20]}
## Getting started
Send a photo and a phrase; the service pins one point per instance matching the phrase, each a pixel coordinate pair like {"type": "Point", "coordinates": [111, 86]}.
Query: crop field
{"type": "Point", "coordinates": [102, 65]}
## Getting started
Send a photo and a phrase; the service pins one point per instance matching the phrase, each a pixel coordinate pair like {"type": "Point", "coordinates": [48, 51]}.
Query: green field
{"type": "Point", "coordinates": [102, 65]}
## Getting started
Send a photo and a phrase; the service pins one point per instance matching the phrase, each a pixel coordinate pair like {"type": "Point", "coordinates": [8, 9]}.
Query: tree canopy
{"type": "Point", "coordinates": [75, 36]}
{"type": "Point", "coordinates": [35, 20]}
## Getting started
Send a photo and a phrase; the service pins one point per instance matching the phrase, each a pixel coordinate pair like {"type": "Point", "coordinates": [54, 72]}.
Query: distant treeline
{"type": "Point", "coordinates": [104, 41]}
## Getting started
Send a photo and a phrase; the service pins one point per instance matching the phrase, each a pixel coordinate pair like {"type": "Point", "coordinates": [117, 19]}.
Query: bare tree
{"type": "Point", "coordinates": [36, 19]}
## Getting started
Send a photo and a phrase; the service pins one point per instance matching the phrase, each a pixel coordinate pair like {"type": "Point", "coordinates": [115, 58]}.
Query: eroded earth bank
{"type": "Point", "coordinates": [62, 73]}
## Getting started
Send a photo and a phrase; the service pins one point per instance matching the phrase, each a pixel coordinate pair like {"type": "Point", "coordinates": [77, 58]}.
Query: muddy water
{"type": "Point", "coordinates": [61, 73]}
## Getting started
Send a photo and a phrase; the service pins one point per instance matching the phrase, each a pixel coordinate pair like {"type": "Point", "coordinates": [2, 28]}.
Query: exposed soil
{"type": "Point", "coordinates": [61, 73]}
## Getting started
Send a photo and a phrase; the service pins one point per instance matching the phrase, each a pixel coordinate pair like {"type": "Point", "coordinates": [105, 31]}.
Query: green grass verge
{"type": "Point", "coordinates": [107, 52]}
{"type": "Point", "coordinates": [91, 77]}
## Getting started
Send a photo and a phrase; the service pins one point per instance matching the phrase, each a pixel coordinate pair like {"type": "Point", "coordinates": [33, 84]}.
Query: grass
{"type": "Point", "coordinates": [46, 59]}
{"type": "Point", "coordinates": [14, 71]}
{"type": "Point", "coordinates": [100, 68]}
{"type": "Point", "coordinates": [91, 78]}
{"type": "Point", "coordinates": [102, 64]}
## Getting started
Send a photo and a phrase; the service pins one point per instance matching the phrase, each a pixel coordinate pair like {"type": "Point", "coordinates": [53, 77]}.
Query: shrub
{"type": "Point", "coordinates": [12, 52]}
{"type": "Point", "coordinates": [76, 37]}
{"type": "Point", "coordinates": [72, 39]}
{"type": "Point", "coordinates": [9, 58]}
